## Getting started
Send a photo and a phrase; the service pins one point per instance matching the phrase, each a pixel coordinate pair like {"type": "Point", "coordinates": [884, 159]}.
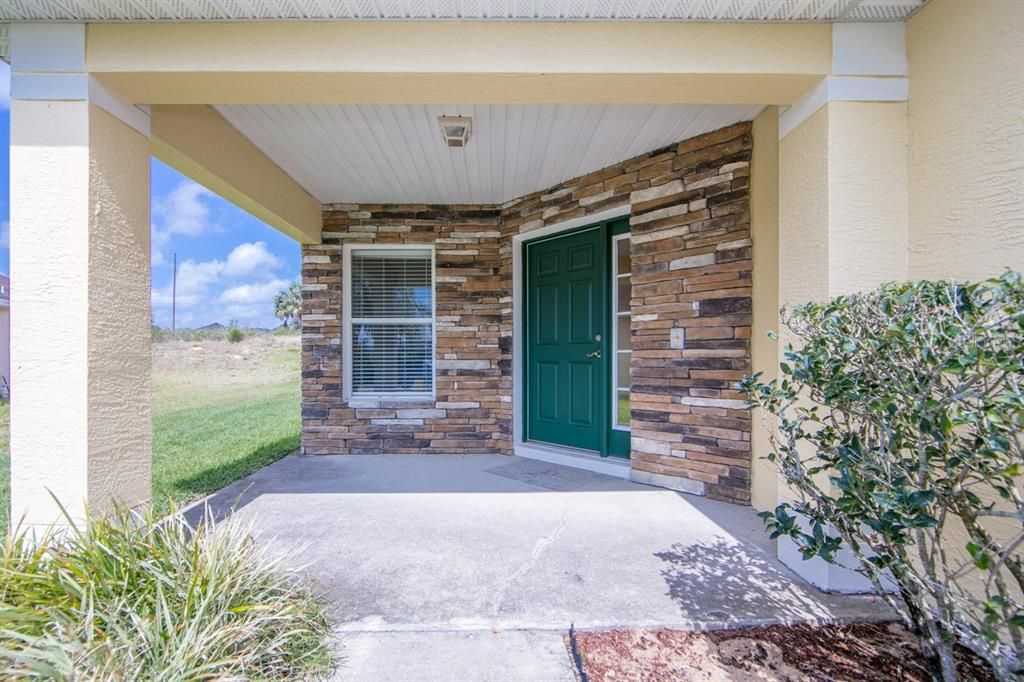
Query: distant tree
{"type": "Point", "coordinates": [288, 305]}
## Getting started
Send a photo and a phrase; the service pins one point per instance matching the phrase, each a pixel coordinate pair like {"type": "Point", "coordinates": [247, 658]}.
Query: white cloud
{"type": "Point", "coordinates": [251, 259]}
{"type": "Point", "coordinates": [183, 211]}
{"type": "Point", "coordinates": [261, 293]}
{"type": "Point", "coordinates": [193, 285]}
{"type": "Point", "coordinates": [195, 278]}
{"type": "Point", "coordinates": [156, 255]}
{"type": "Point", "coordinates": [241, 287]}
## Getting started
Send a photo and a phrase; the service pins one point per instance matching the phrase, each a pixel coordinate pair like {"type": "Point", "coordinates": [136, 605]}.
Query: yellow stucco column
{"type": "Point", "coordinates": [843, 201]}
{"type": "Point", "coordinates": [842, 229]}
{"type": "Point", "coordinates": [80, 257]}
{"type": "Point", "coordinates": [764, 232]}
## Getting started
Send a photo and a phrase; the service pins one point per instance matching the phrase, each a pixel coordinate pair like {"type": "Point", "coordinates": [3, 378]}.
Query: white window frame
{"type": "Point", "coordinates": [346, 326]}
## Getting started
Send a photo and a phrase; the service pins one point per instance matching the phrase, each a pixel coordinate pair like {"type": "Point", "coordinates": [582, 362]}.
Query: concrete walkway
{"type": "Point", "coordinates": [473, 567]}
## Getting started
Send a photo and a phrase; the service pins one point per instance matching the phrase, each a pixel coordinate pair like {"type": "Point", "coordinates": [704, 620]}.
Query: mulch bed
{"type": "Point", "coordinates": [868, 652]}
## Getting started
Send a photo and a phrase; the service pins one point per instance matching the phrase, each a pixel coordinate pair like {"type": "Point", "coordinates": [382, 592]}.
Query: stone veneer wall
{"type": "Point", "coordinates": [690, 225]}
{"type": "Point", "coordinates": [472, 366]}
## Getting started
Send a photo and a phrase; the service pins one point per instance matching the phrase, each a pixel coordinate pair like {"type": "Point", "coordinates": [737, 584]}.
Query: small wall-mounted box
{"type": "Point", "coordinates": [677, 339]}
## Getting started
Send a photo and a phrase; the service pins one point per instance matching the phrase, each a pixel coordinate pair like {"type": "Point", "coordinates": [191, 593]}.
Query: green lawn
{"type": "Point", "coordinates": [220, 412]}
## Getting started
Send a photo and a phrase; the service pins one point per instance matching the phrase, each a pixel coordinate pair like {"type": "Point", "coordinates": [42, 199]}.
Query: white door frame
{"type": "Point", "coordinates": [550, 453]}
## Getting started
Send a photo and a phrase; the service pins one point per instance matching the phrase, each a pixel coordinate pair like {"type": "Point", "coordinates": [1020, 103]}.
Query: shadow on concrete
{"type": "Point", "coordinates": [738, 583]}
{"type": "Point", "coordinates": [402, 474]}
{"type": "Point", "coordinates": [446, 542]}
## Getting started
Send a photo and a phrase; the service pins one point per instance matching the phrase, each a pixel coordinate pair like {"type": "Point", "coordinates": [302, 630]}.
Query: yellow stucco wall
{"type": "Point", "coordinates": [764, 229]}
{"type": "Point", "coordinates": [966, 136]}
{"type": "Point", "coordinates": [867, 195]}
{"type": "Point", "coordinates": [930, 188]}
{"type": "Point", "coordinates": [803, 221]}
{"type": "Point", "coordinates": [843, 201]}
{"type": "Point", "coordinates": [119, 395]}
{"type": "Point", "coordinates": [842, 209]}
{"type": "Point", "coordinates": [803, 211]}
{"type": "Point", "coordinates": [966, 154]}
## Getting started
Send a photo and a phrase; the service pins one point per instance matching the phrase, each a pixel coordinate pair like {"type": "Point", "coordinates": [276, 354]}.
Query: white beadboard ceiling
{"type": "Point", "coordinates": [395, 153]}
{"type": "Point", "coordinates": [545, 10]}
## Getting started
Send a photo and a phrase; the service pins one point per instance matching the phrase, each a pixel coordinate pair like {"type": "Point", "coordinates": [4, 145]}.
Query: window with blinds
{"type": "Point", "coordinates": [389, 322]}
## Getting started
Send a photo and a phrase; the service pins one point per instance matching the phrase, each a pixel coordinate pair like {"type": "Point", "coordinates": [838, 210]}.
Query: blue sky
{"type": "Point", "coordinates": [230, 265]}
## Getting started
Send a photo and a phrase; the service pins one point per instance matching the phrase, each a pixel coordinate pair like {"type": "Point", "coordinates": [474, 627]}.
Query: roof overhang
{"type": "Point", "coordinates": [475, 10]}
{"type": "Point", "coordinates": [751, 11]}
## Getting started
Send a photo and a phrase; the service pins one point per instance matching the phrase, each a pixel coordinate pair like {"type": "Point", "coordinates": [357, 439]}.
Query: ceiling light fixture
{"type": "Point", "coordinates": [455, 129]}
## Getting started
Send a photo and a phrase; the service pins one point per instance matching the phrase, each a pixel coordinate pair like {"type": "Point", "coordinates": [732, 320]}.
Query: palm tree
{"type": "Point", "coordinates": [288, 304]}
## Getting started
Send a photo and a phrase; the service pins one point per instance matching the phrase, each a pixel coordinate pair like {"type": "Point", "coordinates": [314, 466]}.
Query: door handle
{"type": "Point", "coordinates": [594, 354]}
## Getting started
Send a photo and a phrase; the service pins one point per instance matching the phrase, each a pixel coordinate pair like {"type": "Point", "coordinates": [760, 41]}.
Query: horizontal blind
{"type": "Point", "coordinates": [391, 359]}
{"type": "Point", "coordinates": [392, 335]}
{"type": "Point", "coordinates": [391, 284]}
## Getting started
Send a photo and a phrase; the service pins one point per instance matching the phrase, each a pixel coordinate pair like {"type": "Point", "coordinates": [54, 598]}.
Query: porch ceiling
{"type": "Point", "coordinates": [395, 153]}
{"type": "Point", "coordinates": [519, 10]}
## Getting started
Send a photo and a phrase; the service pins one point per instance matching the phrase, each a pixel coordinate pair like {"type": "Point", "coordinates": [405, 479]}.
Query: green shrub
{"type": "Point", "coordinates": [235, 335]}
{"type": "Point", "coordinates": [130, 597]}
{"type": "Point", "coordinates": [900, 417]}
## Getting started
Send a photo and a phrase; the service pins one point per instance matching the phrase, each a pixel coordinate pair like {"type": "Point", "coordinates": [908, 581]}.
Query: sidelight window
{"type": "Point", "coordinates": [622, 342]}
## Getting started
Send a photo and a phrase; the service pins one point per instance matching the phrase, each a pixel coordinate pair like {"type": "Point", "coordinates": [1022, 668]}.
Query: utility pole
{"type": "Point", "coordinates": [174, 293]}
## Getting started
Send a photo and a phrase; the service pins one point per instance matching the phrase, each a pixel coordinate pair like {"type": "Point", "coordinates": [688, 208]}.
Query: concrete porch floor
{"type": "Point", "coordinates": [472, 567]}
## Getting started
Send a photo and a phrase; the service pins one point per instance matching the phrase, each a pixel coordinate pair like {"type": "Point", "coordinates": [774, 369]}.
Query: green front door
{"type": "Point", "coordinates": [566, 322]}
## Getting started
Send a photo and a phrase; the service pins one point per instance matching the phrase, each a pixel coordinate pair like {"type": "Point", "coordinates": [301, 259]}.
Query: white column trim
{"type": "Point", "coordinates": [841, 89]}
{"type": "Point", "coordinates": [869, 49]}
{"type": "Point", "coordinates": [48, 64]}
{"type": "Point", "coordinates": [47, 47]}
{"type": "Point", "coordinates": [55, 87]}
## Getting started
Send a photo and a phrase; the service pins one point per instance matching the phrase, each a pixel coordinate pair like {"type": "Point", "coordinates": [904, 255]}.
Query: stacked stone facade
{"type": "Point", "coordinates": [690, 240]}
{"type": "Point", "coordinates": [468, 414]}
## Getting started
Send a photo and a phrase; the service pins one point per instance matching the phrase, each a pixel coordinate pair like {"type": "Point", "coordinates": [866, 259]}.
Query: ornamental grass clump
{"type": "Point", "coordinates": [132, 597]}
{"type": "Point", "coordinates": [899, 416]}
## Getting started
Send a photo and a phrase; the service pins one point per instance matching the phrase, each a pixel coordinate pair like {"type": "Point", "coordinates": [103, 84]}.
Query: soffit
{"type": "Point", "coordinates": [396, 154]}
